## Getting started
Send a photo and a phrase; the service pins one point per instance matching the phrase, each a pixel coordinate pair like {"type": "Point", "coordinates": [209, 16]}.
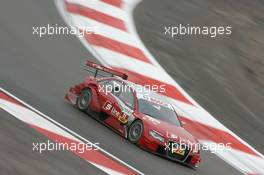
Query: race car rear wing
{"type": "Point", "coordinates": [99, 70]}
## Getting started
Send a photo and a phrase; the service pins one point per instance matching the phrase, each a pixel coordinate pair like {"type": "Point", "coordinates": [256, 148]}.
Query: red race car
{"type": "Point", "coordinates": [140, 115]}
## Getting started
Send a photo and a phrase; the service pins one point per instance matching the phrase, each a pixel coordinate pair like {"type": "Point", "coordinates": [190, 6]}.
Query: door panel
{"type": "Point", "coordinates": [111, 108]}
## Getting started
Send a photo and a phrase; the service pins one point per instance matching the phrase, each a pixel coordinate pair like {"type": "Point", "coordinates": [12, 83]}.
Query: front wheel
{"type": "Point", "coordinates": [84, 99]}
{"type": "Point", "coordinates": [135, 131]}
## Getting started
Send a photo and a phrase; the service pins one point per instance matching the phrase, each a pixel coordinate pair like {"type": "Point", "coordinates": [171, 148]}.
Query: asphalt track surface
{"type": "Point", "coordinates": [224, 74]}
{"type": "Point", "coordinates": [39, 70]}
{"type": "Point", "coordinates": [18, 157]}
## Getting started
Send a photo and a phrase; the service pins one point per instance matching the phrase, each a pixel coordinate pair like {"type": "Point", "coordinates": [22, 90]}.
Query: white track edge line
{"type": "Point", "coordinates": [70, 131]}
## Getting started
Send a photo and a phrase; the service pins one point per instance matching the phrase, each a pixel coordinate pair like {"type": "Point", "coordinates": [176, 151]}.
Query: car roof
{"type": "Point", "coordinates": [143, 92]}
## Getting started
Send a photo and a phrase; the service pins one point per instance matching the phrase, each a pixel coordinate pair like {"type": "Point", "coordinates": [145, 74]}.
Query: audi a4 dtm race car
{"type": "Point", "coordinates": [142, 116]}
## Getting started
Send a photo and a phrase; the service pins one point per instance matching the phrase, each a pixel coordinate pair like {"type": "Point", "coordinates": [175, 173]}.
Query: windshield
{"type": "Point", "coordinates": [157, 111]}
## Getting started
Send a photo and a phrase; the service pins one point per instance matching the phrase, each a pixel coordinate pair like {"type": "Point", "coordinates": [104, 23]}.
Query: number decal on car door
{"type": "Point", "coordinates": [109, 107]}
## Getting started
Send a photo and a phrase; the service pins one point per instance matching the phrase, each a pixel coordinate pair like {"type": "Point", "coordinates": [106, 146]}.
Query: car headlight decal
{"type": "Point", "coordinates": [156, 136]}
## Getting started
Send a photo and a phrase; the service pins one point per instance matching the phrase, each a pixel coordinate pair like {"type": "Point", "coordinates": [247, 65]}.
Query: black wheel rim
{"type": "Point", "coordinates": [84, 100]}
{"type": "Point", "coordinates": [135, 132]}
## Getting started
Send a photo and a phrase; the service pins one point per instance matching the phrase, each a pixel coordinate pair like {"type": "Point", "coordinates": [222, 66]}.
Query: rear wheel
{"type": "Point", "coordinates": [84, 99]}
{"type": "Point", "coordinates": [135, 131]}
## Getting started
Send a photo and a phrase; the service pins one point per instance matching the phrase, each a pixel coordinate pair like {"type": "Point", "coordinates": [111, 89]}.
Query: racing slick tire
{"type": "Point", "coordinates": [135, 131]}
{"type": "Point", "coordinates": [84, 99]}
